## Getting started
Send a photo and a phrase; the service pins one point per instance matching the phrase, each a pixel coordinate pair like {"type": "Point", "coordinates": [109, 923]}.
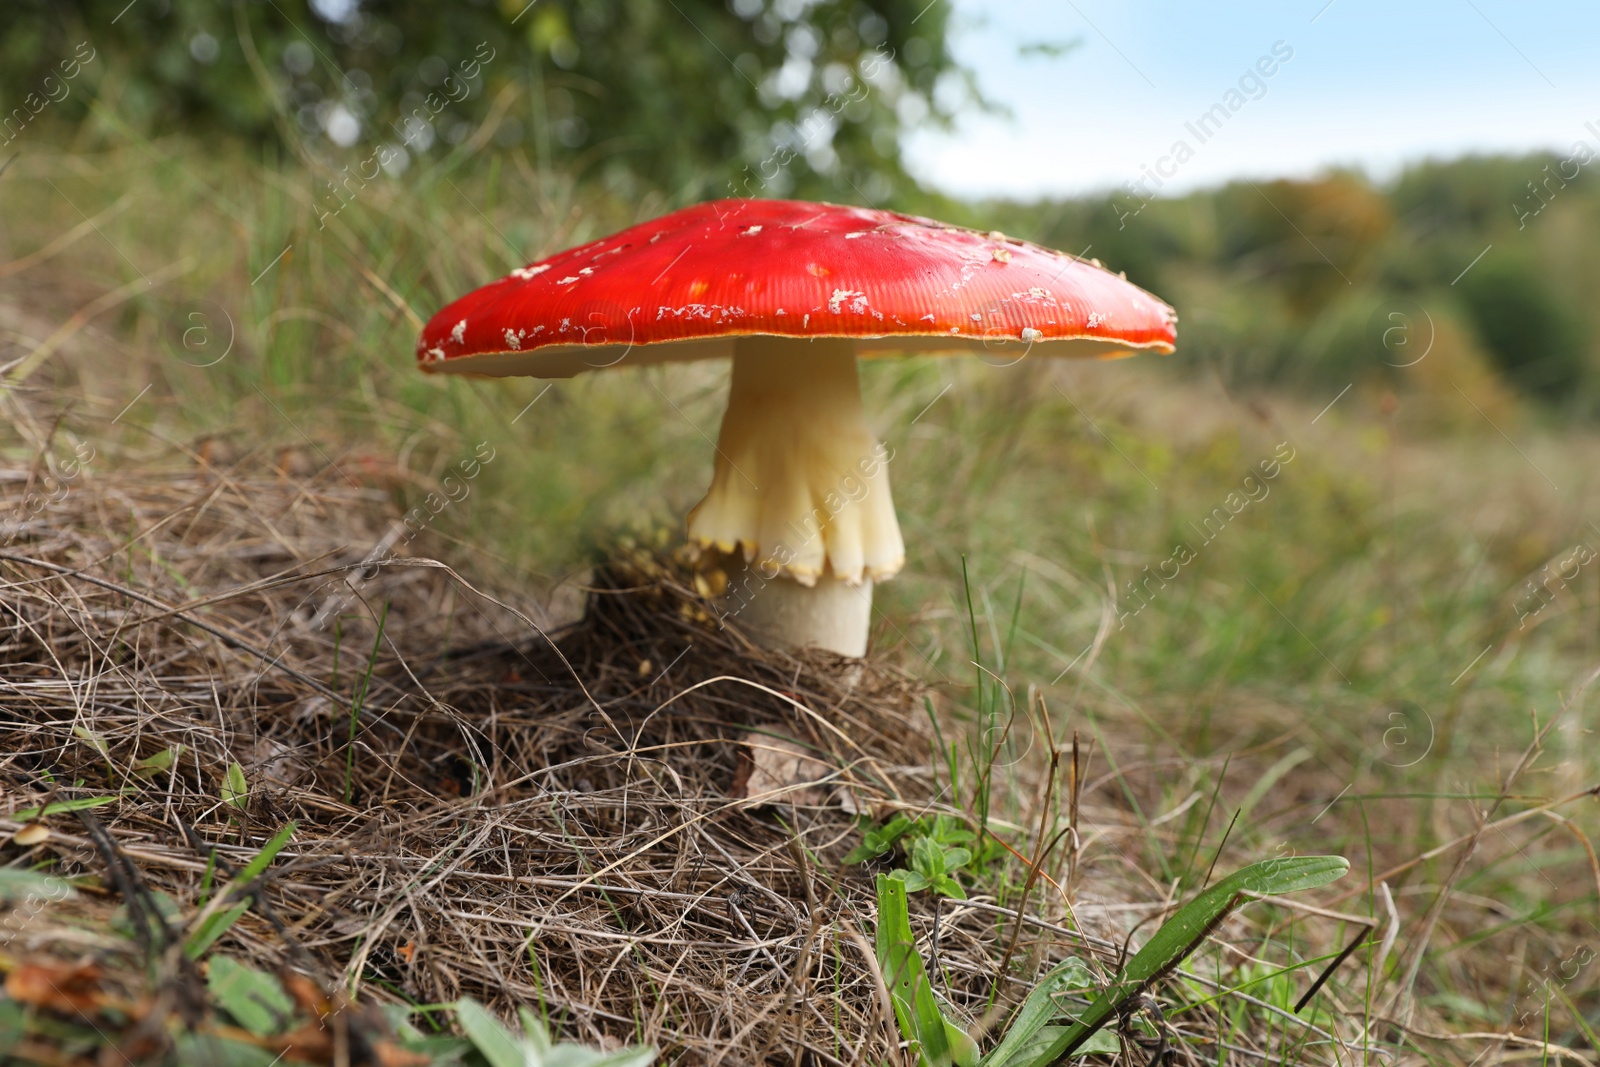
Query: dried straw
{"type": "Point", "coordinates": [528, 813]}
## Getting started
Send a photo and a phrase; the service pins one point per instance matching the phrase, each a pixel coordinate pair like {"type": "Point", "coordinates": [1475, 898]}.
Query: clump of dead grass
{"type": "Point", "coordinates": [525, 816]}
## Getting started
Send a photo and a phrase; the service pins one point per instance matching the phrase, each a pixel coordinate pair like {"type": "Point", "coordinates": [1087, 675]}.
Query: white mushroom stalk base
{"type": "Point", "coordinates": [800, 492]}
{"type": "Point", "coordinates": [779, 612]}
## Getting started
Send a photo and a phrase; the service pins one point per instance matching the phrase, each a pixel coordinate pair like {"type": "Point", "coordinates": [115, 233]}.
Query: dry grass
{"type": "Point", "coordinates": [551, 819]}
{"type": "Point", "coordinates": [521, 821]}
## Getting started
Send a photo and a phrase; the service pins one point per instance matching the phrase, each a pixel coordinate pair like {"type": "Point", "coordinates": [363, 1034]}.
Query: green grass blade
{"type": "Point", "coordinates": [937, 1041]}
{"type": "Point", "coordinates": [61, 807]}
{"type": "Point", "coordinates": [215, 925]}
{"type": "Point", "coordinates": [268, 853]}
{"type": "Point", "coordinates": [218, 922]}
{"type": "Point", "coordinates": [205, 879]}
{"type": "Point", "coordinates": [498, 1046]}
{"type": "Point", "coordinates": [1036, 1011]}
{"type": "Point", "coordinates": [356, 704]}
{"type": "Point", "coordinates": [235, 790]}
{"type": "Point", "coordinates": [1036, 1051]}
{"type": "Point", "coordinates": [1180, 935]}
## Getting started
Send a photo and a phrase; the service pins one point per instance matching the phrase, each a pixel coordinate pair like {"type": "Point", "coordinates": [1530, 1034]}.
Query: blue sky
{"type": "Point", "coordinates": [1375, 83]}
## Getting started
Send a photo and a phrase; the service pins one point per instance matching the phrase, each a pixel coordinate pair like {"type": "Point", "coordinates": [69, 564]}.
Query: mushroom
{"type": "Point", "coordinates": [793, 292]}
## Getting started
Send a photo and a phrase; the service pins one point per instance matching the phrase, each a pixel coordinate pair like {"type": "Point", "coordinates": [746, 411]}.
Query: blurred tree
{"type": "Point", "coordinates": [1314, 236]}
{"type": "Point", "coordinates": [695, 97]}
{"type": "Point", "coordinates": [1537, 340]}
{"type": "Point", "coordinates": [1478, 193]}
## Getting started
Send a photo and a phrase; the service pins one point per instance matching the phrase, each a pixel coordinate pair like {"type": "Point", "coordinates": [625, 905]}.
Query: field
{"type": "Point", "coordinates": [1355, 621]}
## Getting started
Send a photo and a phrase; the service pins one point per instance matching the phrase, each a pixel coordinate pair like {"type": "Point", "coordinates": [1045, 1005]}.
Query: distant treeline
{"type": "Point", "coordinates": [1489, 262]}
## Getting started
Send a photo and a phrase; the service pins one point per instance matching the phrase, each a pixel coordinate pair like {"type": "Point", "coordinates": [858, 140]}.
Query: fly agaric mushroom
{"type": "Point", "coordinates": [793, 292]}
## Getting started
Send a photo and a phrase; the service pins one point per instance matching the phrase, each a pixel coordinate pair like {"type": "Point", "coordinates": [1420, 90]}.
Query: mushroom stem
{"type": "Point", "coordinates": [779, 612]}
{"type": "Point", "coordinates": [800, 490]}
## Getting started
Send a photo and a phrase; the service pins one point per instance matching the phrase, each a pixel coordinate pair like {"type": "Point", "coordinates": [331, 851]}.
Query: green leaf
{"type": "Point", "coordinates": [875, 843]}
{"type": "Point", "coordinates": [398, 1016]}
{"type": "Point", "coordinates": [533, 1030]}
{"type": "Point", "coordinates": [217, 1051]}
{"type": "Point", "coordinates": [1036, 1011]}
{"type": "Point", "coordinates": [151, 766]}
{"type": "Point", "coordinates": [861, 854]}
{"type": "Point", "coordinates": [501, 1048]}
{"type": "Point", "coordinates": [496, 1044]}
{"type": "Point", "coordinates": [268, 853]}
{"type": "Point", "coordinates": [567, 1055]}
{"type": "Point", "coordinates": [13, 1025]}
{"type": "Point", "coordinates": [61, 807]}
{"type": "Point", "coordinates": [947, 831]}
{"type": "Point", "coordinates": [949, 887]}
{"type": "Point", "coordinates": [1035, 1052]}
{"type": "Point", "coordinates": [255, 999]}
{"type": "Point", "coordinates": [215, 925]}
{"type": "Point", "coordinates": [927, 858]}
{"type": "Point", "coordinates": [937, 1041]}
{"type": "Point", "coordinates": [235, 790]}
{"type": "Point", "coordinates": [1180, 935]}
{"type": "Point", "coordinates": [94, 740]}
{"type": "Point", "coordinates": [159, 905]}
{"type": "Point", "coordinates": [1101, 1042]}
{"type": "Point", "coordinates": [956, 858]}
{"type": "Point", "coordinates": [17, 885]}
{"type": "Point", "coordinates": [913, 881]}
{"type": "Point", "coordinates": [894, 829]}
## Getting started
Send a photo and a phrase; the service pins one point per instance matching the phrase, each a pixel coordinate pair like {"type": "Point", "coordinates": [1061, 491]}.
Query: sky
{"type": "Point", "coordinates": [1370, 83]}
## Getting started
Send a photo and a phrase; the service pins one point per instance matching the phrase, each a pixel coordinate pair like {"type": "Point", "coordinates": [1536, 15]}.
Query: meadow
{"type": "Point", "coordinates": [1352, 614]}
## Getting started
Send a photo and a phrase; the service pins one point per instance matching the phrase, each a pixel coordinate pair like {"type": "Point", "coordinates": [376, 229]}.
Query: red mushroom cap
{"type": "Point", "coordinates": [684, 285]}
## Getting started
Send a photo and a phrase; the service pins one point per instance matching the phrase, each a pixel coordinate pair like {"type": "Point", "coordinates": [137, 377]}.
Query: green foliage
{"type": "Point", "coordinates": [159, 763]}
{"type": "Point", "coordinates": [1475, 193]}
{"type": "Point", "coordinates": [694, 97]}
{"type": "Point", "coordinates": [1537, 339]}
{"type": "Point", "coordinates": [13, 1024]}
{"type": "Point", "coordinates": [131, 924]}
{"type": "Point", "coordinates": [235, 790]}
{"type": "Point", "coordinates": [231, 903]}
{"type": "Point", "coordinates": [934, 846]}
{"type": "Point", "coordinates": [61, 807]}
{"type": "Point", "coordinates": [500, 1047]}
{"type": "Point", "coordinates": [880, 839]}
{"type": "Point", "coordinates": [92, 739]}
{"type": "Point", "coordinates": [935, 1040]}
{"type": "Point", "coordinates": [19, 886]}
{"type": "Point", "coordinates": [1031, 1040]}
{"type": "Point", "coordinates": [1031, 1034]}
{"type": "Point", "coordinates": [932, 867]}
{"type": "Point", "coordinates": [1280, 283]}
{"type": "Point", "coordinates": [254, 998]}
{"type": "Point", "coordinates": [215, 1051]}
{"type": "Point", "coordinates": [1182, 934]}
{"type": "Point", "coordinates": [216, 922]}
{"type": "Point", "coordinates": [259, 862]}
